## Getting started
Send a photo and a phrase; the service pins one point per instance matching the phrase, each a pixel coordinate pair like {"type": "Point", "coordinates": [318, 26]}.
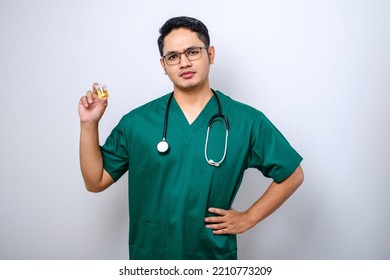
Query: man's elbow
{"type": "Point", "coordinates": [96, 185]}
{"type": "Point", "coordinates": [299, 176]}
{"type": "Point", "coordinates": [94, 189]}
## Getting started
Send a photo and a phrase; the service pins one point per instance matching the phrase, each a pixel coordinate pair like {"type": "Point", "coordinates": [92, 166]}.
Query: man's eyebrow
{"type": "Point", "coordinates": [172, 52]}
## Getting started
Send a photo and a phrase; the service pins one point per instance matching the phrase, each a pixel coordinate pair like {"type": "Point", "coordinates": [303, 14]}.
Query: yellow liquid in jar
{"type": "Point", "coordinates": [102, 93]}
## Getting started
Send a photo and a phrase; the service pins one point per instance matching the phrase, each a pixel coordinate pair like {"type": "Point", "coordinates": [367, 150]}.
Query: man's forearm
{"type": "Point", "coordinates": [274, 197]}
{"type": "Point", "coordinates": [91, 161]}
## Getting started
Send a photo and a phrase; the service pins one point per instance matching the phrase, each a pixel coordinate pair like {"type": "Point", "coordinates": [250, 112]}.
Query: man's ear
{"type": "Point", "coordinates": [211, 54]}
{"type": "Point", "coordinates": [163, 65]}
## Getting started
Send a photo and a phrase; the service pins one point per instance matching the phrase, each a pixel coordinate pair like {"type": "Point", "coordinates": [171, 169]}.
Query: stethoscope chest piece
{"type": "Point", "coordinates": [162, 146]}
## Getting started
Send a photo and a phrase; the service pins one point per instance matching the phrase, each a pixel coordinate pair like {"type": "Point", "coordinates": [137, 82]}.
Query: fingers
{"type": "Point", "coordinates": [218, 228]}
{"type": "Point", "coordinates": [94, 87]}
{"type": "Point", "coordinates": [216, 219]}
{"type": "Point", "coordinates": [217, 211]}
{"type": "Point", "coordinates": [90, 96]}
{"type": "Point", "coordinates": [91, 108]}
{"type": "Point", "coordinates": [217, 223]}
{"type": "Point", "coordinates": [221, 231]}
{"type": "Point", "coordinates": [226, 221]}
{"type": "Point", "coordinates": [87, 99]}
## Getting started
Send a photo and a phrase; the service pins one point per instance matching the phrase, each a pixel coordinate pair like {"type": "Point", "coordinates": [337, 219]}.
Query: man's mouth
{"type": "Point", "coordinates": [187, 74]}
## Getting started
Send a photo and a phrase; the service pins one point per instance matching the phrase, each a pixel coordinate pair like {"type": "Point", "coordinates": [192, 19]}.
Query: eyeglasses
{"type": "Point", "coordinates": [192, 54]}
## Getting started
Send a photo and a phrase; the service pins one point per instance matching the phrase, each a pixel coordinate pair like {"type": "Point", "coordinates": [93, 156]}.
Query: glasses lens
{"type": "Point", "coordinates": [194, 53]}
{"type": "Point", "coordinates": [172, 58]}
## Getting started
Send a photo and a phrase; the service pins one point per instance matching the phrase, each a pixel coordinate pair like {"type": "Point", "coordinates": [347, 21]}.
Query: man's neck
{"type": "Point", "coordinates": [192, 102]}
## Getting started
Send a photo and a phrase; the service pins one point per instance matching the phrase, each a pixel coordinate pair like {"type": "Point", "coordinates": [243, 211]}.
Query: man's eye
{"type": "Point", "coordinates": [172, 57]}
{"type": "Point", "coordinates": [192, 52]}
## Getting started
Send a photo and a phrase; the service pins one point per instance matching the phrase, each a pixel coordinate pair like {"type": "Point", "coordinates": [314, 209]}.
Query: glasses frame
{"type": "Point", "coordinates": [183, 52]}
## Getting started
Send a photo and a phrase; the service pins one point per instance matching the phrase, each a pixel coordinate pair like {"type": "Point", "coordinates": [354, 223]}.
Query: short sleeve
{"type": "Point", "coordinates": [115, 152]}
{"type": "Point", "coordinates": [270, 152]}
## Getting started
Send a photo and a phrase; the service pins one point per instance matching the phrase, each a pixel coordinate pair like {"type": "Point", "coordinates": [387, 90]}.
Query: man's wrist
{"type": "Point", "coordinates": [89, 124]}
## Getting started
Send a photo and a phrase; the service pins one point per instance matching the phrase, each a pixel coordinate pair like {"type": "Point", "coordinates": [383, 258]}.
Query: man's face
{"type": "Point", "coordinates": [187, 75]}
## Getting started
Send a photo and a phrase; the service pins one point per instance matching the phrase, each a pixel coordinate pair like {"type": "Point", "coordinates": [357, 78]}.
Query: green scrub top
{"type": "Point", "coordinates": [169, 194]}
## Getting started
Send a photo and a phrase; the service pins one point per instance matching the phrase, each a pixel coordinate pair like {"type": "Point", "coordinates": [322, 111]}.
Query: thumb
{"type": "Point", "coordinates": [102, 105]}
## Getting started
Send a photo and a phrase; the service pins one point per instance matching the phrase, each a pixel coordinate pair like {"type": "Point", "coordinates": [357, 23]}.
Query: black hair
{"type": "Point", "coordinates": [183, 22]}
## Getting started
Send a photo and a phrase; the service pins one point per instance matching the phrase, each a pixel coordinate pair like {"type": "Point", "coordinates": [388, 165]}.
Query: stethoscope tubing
{"type": "Point", "coordinates": [166, 117]}
{"type": "Point", "coordinates": [163, 146]}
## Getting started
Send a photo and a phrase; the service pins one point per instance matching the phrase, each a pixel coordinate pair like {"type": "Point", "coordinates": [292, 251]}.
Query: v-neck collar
{"type": "Point", "coordinates": [201, 120]}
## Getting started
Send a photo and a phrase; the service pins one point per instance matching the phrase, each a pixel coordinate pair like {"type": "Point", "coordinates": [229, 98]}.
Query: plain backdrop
{"type": "Point", "coordinates": [320, 70]}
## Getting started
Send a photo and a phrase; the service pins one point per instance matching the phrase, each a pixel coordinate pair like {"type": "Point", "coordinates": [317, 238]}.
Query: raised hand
{"type": "Point", "coordinates": [91, 108]}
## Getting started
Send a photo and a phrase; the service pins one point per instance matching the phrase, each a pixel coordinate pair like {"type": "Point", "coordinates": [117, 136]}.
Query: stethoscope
{"type": "Point", "coordinates": [163, 146]}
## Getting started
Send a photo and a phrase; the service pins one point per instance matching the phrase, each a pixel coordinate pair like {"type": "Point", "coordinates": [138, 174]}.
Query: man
{"type": "Point", "coordinates": [180, 194]}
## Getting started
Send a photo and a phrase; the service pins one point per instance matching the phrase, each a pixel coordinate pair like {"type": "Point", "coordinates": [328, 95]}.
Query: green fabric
{"type": "Point", "coordinates": [169, 194]}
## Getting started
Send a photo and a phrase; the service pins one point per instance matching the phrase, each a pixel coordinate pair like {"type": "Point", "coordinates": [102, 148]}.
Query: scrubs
{"type": "Point", "coordinates": [169, 194]}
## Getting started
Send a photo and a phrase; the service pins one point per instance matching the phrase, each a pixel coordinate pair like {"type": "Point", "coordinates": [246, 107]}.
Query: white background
{"type": "Point", "coordinates": [320, 70]}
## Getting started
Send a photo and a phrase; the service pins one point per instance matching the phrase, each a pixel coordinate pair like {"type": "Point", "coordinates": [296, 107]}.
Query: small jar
{"type": "Point", "coordinates": [102, 91]}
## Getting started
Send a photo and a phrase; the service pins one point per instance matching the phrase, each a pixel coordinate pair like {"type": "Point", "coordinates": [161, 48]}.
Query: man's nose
{"type": "Point", "coordinates": [184, 61]}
